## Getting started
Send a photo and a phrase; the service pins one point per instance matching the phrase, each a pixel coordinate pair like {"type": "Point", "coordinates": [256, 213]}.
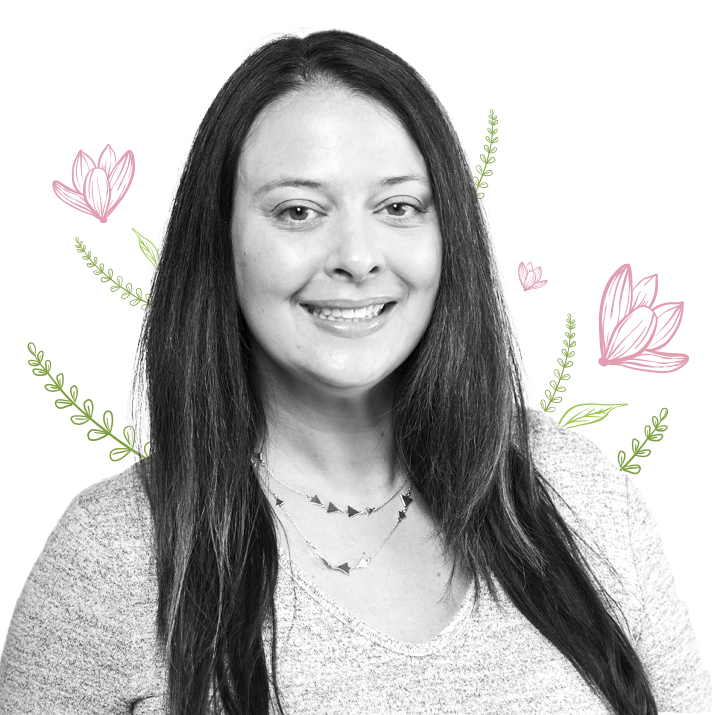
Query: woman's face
{"type": "Point", "coordinates": [333, 212]}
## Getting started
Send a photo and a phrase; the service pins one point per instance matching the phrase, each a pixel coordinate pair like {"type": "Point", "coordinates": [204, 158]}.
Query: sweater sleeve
{"type": "Point", "coordinates": [69, 645]}
{"type": "Point", "coordinates": [666, 643]}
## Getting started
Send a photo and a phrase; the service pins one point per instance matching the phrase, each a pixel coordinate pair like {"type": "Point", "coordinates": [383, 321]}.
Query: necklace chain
{"type": "Point", "coordinates": [330, 507]}
{"type": "Point", "coordinates": [343, 568]}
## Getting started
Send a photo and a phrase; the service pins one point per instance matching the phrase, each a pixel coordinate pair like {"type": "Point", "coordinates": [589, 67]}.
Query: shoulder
{"type": "Point", "coordinates": [579, 475]}
{"type": "Point", "coordinates": [598, 502]}
{"type": "Point", "coordinates": [81, 636]}
{"type": "Point", "coordinates": [117, 507]}
{"type": "Point", "coordinates": [603, 506]}
{"type": "Point", "coordinates": [110, 521]}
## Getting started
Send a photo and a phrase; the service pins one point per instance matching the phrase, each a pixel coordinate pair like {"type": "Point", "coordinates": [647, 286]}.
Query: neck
{"type": "Point", "coordinates": [334, 444]}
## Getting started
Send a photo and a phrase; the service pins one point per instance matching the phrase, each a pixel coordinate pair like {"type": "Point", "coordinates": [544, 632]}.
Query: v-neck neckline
{"type": "Point", "coordinates": [444, 637]}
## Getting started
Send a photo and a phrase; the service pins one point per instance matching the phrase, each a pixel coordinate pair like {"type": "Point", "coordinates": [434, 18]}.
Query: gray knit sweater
{"type": "Point", "coordinates": [82, 635]}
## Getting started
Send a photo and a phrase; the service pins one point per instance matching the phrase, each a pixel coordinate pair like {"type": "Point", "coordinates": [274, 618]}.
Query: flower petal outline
{"type": "Point", "coordinates": [83, 164]}
{"type": "Point", "coordinates": [120, 179]}
{"type": "Point", "coordinates": [96, 193]}
{"type": "Point", "coordinates": [632, 335]}
{"type": "Point", "coordinates": [522, 275]}
{"type": "Point", "coordinates": [654, 361]}
{"type": "Point", "coordinates": [669, 316]}
{"type": "Point", "coordinates": [71, 198]}
{"type": "Point", "coordinates": [644, 292]}
{"type": "Point", "coordinates": [107, 159]}
{"type": "Point", "coordinates": [615, 305]}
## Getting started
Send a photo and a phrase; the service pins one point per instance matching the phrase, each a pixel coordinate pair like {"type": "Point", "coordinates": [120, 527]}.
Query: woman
{"type": "Point", "coordinates": [347, 507]}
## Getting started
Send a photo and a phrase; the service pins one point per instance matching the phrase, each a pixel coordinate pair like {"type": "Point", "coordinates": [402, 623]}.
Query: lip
{"type": "Point", "coordinates": [343, 303]}
{"type": "Point", "coordinates": [349, 329]}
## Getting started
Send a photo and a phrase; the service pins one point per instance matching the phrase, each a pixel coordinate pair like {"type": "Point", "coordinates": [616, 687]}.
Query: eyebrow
{"type": "Point", "coordinates": [309, 184]}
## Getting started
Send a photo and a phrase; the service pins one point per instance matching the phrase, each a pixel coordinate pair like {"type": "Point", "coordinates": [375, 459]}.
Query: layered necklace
{"type": "Point", "coordinates": [330, 508]}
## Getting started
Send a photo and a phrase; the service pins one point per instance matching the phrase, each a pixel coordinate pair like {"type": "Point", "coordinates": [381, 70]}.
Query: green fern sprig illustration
{"type": "Point", "coordinates": [102, 430]}
{"type": "Point", "coordinates": [488, 158]}
{"type": "Point", "coordinates": [638, 451]}
{"type": "Point", "coordinates": [148, 249]}
{"type": "Point", "coordinates": [137, 296]}
{"type": "Point", "coordinates": [556, 384]}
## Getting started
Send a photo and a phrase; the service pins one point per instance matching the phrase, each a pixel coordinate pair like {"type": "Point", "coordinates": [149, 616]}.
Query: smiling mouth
{"type": "Point", "coordinates": [347, 315]}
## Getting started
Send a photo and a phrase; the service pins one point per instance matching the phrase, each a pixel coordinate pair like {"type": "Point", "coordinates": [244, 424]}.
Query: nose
{"type": "Point", "coordinates": [354, 253]}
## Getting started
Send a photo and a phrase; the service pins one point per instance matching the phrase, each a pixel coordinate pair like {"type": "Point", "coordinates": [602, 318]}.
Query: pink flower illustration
{"type": "Point", "coordinates": [529, 277]}
{"type": "Point", "coordinates": [632, 330]}
{"type": "Point", "coordinates": [98, 188]}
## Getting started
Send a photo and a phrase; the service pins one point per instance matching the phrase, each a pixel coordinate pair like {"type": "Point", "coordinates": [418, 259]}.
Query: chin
{"type": "Point", "coordinates": [346, 380]}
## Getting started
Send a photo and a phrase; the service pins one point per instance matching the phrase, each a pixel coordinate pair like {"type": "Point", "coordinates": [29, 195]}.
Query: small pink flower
{"type": "Point", "coordinates": [632, 330]}
{"type": "Point", "coordinates": [98, 188]}
{"type": "Point", "coordinates": [529, 277]}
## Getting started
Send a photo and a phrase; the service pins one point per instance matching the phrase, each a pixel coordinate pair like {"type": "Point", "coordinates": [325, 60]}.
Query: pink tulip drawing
{"type": "Point", "coordinates": [632, 331]}
{"type": "Point", "coordinates": [529, 277]}
{"type": "Point", "coordinates": [98, 188]}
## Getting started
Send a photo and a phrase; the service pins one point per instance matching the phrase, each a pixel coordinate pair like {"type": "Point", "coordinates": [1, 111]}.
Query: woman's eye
{"type": "Point", "coordinates": [402, 209]}
{"type": "Point", "coordinates": [295, 214]}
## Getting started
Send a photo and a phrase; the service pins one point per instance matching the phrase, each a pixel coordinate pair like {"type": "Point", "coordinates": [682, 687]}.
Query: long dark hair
{"type": "Point", "coordinates": [459, 421]}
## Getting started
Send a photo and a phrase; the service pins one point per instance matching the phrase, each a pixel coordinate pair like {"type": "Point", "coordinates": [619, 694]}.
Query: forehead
{"type": "Point", "coordinates": [324, 133]}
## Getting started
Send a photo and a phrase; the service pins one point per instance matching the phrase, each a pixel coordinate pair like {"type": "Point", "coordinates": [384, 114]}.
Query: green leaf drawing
{"type": "Point", "coordinates": [587, 413]}
{"type": "Point", "coordinates": [148, 249]}
{"type": "Point", "coordinates": [100, 431]}
{"type": "Point", "coordinates": [561, 375]}
{"type": "Point", "coordinates": [488, 158]}
{"type": "Point", "coordinates": [107, 276]}
{"type": "Point", "coordinates": [638, 448]}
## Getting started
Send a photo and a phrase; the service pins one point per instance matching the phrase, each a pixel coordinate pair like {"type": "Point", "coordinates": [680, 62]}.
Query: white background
{"type": "Point", "coordinates": [606, 121]}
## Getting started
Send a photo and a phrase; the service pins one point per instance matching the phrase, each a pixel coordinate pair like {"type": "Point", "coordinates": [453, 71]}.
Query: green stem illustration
{"type": "Point", "coordinates": [564, 363]}
{"type": "Point", "coordinates": [137, 296]}
{"type": "Point", "coordinates": [638, 451]}
{"type": "Point", "coordinates": [488, 158]}
{"type": "Point", "coordinates": [102, 430]}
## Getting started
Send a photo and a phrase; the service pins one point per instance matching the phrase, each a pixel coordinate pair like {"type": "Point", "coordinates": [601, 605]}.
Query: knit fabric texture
{"type": "Point", "coordinates": [82, 638]}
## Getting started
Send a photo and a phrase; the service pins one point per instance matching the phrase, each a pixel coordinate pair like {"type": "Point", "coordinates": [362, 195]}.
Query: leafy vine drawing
{"type": "Point", "coordinates": [101, 430]}
{"type": "Point", "coordinates": [564, 363]}
{"type": "Point", "coordinates": [137, 296]}
{"type": "Point", "coordinates": [654, 435]}
{"type": "Point", "coordinates": [487, 158]}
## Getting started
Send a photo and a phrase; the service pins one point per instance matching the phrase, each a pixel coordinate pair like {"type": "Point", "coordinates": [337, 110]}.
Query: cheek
{"type": "Point", "coordinates": [252, 260]}
{"type": "Point", "coordinates": [421, 268]}
{"type": "Point", "coordinates": [268, 273]}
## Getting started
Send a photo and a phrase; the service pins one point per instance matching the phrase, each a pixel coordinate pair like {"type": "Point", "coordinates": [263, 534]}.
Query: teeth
{"type": "Point", "coordinates": [351, 314]}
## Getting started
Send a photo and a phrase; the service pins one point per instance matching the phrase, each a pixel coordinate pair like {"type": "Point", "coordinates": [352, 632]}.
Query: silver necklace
{"type": "Point", "coordinates": [343, 568]}
{"type": "Point", "coordinates": [331, 508]}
